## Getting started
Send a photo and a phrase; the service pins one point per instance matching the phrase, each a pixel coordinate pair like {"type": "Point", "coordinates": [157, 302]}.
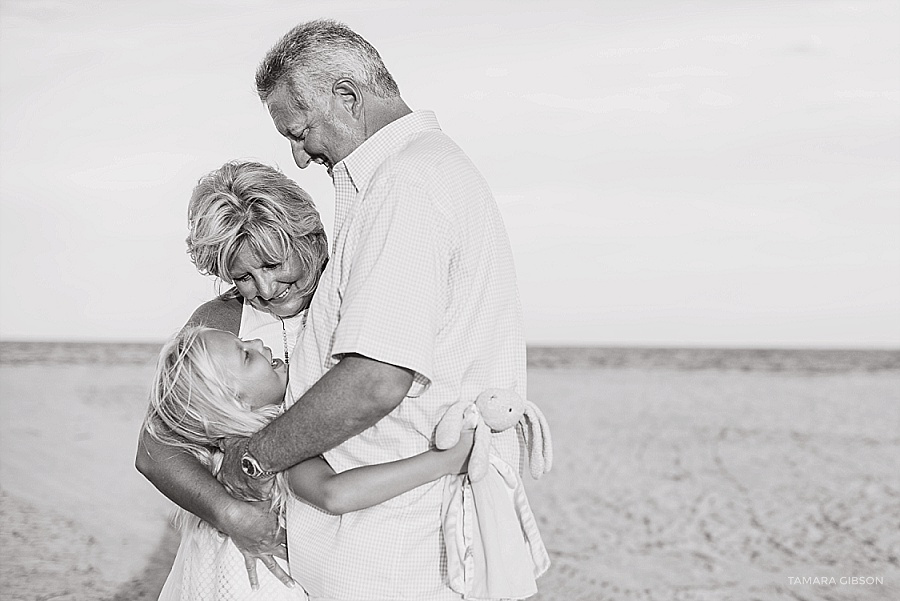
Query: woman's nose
{"type": "Point", "coordinates": [266, 287]}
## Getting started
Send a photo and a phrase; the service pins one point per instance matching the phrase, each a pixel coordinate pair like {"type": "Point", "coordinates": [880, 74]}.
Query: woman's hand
{"type": "Point", "coordinates": [254, 529]}
{"type": "Point", "coordinates": [251, 524]}
{"type": "Point", "coordinates": [457, 457]}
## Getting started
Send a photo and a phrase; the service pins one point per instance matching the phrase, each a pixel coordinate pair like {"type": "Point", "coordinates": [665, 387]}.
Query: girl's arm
{"type": "Point", "coordinates": [314, 481]}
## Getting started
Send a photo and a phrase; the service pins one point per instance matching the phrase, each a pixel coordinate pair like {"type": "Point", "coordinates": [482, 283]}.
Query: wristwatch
{"type": "Point", "coordinates": [250, 466]}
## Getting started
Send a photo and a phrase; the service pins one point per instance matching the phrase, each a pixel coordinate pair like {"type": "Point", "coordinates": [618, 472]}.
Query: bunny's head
{"type": "Point", "coordinates": [500, 408]}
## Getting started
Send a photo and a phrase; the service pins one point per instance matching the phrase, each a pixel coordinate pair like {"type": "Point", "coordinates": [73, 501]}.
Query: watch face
{"type": "Point", "coordinates": [248, 467]}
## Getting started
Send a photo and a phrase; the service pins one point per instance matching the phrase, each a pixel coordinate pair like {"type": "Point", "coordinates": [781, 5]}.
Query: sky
{"type": "Point", "coordinates": [670, 173]}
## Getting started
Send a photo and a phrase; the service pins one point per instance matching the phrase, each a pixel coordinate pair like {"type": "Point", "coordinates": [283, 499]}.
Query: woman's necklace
{"type": "Point", "coordinates": [287, 360]}
{"type": "Point", "coordinates": [284, 336]}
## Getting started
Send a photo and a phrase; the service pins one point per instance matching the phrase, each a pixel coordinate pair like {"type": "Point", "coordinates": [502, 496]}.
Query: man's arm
{"type": "Point", "coordinates": [352, 396]}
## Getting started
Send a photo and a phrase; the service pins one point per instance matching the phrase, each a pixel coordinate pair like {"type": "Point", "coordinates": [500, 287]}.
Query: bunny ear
{"type": "Point", "coordinates": [447, 432]}
{"type": "Point", "coordinates": [540, 444]}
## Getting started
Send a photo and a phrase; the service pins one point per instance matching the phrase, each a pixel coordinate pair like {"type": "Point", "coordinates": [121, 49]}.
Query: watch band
{"type": "Point", "coordinates": [250, 466]}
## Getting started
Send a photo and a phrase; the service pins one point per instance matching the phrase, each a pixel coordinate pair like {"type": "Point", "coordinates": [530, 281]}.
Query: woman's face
{"type": "Point", "coordinates": [270, 287]}
{"type": "Point", "coordinates": [259, 378]}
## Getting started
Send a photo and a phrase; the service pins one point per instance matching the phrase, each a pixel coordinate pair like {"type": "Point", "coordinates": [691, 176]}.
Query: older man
{"type": "Point", "coordinates": [417, 308]}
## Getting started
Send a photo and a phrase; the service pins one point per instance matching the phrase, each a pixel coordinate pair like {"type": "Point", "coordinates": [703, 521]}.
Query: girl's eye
{"type": "Point", "coordinates": [272, 266]}
{"type": "Point", "coordinates": [242, 278]}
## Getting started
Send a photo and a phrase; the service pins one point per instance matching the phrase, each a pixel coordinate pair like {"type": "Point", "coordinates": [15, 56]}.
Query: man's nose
{"type": "Point", "coordinates": [300, 157]}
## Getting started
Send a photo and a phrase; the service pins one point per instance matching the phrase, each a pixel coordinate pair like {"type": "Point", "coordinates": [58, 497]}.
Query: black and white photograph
{"type": "Point", "coordinates": [386, 300]}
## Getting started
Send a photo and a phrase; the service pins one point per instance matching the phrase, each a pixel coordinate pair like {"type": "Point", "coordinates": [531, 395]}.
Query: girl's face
{"type": "Point", "coordinates": [270, 287]}
{"type": "Point", "coordinates": [259, 379]}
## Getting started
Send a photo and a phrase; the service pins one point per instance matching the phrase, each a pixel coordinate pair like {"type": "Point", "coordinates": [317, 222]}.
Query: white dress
{"type": "Point", "coordinates": [208, 567]}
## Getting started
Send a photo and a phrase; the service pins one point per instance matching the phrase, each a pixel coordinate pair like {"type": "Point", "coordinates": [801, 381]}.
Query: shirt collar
{"type": "Point", "coordinates": [362, 162]}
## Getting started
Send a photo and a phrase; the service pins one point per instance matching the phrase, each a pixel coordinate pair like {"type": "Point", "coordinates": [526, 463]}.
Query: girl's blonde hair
{"type": "Point", "coordinates": [194, 406]}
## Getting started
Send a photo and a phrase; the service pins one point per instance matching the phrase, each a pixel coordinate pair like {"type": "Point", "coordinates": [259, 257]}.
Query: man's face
{"type": "Point", "coordinates": [320, 134]}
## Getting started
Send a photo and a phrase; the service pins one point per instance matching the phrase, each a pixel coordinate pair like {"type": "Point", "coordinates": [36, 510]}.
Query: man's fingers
{"type": "Point", "coordinates": [250, 563]}
{"type": "Point", "coordinates": [273, 567]}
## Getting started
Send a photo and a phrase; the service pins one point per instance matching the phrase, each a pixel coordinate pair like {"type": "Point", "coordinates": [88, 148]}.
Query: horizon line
{"type": "Point", "coordinates": [608, 345]}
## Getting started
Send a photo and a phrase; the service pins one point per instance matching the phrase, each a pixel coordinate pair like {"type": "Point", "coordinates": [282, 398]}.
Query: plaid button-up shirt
{"type": "Point", "coordinates": [422, 277]}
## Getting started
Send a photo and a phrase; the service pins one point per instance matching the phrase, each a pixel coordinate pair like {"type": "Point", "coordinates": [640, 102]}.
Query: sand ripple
{"type": "Point", "coordinates": [677, 485]}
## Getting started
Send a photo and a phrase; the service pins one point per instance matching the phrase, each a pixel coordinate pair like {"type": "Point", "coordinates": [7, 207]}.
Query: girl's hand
{"type": "Point", "coordinates": [457, 457]}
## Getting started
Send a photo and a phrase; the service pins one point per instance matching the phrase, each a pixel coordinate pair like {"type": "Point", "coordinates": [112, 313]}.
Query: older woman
{"type": "Point", "coordinates": [252, 227]}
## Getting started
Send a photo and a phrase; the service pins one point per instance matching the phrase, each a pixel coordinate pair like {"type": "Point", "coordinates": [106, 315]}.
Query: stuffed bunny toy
{"type": "Point", "coordinates": [497, 409]}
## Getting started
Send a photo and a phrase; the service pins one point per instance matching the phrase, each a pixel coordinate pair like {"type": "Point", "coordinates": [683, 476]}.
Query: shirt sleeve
{"type": "Point", "coordinates": [397, 290]}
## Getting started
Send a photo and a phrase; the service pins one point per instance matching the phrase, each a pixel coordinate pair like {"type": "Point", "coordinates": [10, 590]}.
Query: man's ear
{"type": "Point", "coordinates": [349, 96]}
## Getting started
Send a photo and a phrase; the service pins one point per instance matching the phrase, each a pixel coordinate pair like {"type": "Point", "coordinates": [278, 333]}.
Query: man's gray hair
{"type": "Point", "coordinates": [313, 55]}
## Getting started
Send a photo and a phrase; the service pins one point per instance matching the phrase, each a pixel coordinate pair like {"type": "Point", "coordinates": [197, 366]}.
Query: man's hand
{"type": "Point", "coordinates": [239, 484]}
{"type": "Point", "coordinates": [254, 530]}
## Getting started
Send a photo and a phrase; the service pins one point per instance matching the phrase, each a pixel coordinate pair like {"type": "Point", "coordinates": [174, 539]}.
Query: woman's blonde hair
{"type": "Point", "coordinates": [244, 204]}
{"type": "Point", "coordinates": [194, 406]}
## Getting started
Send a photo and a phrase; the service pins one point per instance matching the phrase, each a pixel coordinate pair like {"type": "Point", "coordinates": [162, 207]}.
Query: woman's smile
{"type": "Point", "coordinates": [270, 286]}
{"type": "Point", "coordinates": [280, 297]}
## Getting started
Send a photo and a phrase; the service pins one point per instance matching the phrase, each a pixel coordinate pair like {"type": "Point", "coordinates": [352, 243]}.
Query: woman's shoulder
{"type": "Point", "coordinates": [222, 313]}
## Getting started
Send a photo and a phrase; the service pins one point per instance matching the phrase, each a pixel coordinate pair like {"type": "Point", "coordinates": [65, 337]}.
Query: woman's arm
{"type": "Point", "coordinates": [253, 527]}
{"type": "Point", "coordinates": [184, 480]}
{"type": "Point", "coordinates": [314, 481]}
{"type": "Point", "coordinates": [221, 313]}
{"type": "Point", "coordinates": [177, 474]}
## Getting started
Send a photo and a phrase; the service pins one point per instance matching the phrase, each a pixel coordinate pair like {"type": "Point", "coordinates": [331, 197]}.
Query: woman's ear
{"type": "Point", "coordinates": [348, 96]}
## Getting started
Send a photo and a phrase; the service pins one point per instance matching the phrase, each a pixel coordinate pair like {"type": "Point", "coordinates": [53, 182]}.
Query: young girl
{"type": "Point", "coordinates": [211, 385]}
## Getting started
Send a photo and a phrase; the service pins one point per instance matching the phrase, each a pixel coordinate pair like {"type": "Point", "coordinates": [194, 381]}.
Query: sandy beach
{"type": "Point", "coordinates": [669, 484]}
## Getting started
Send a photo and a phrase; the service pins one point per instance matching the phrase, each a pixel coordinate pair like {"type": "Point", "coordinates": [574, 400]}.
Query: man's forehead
{"type": "Point", "coordinates": [282, 113]}
{"type": "Point", "coordinates": [283, 106]}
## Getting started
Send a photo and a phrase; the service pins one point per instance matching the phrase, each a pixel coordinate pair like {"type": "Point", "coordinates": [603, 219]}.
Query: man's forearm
{"type": "Point", "coordinates": [184, 480]}
{"type": "Point", "coordinates": [350, 397]}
